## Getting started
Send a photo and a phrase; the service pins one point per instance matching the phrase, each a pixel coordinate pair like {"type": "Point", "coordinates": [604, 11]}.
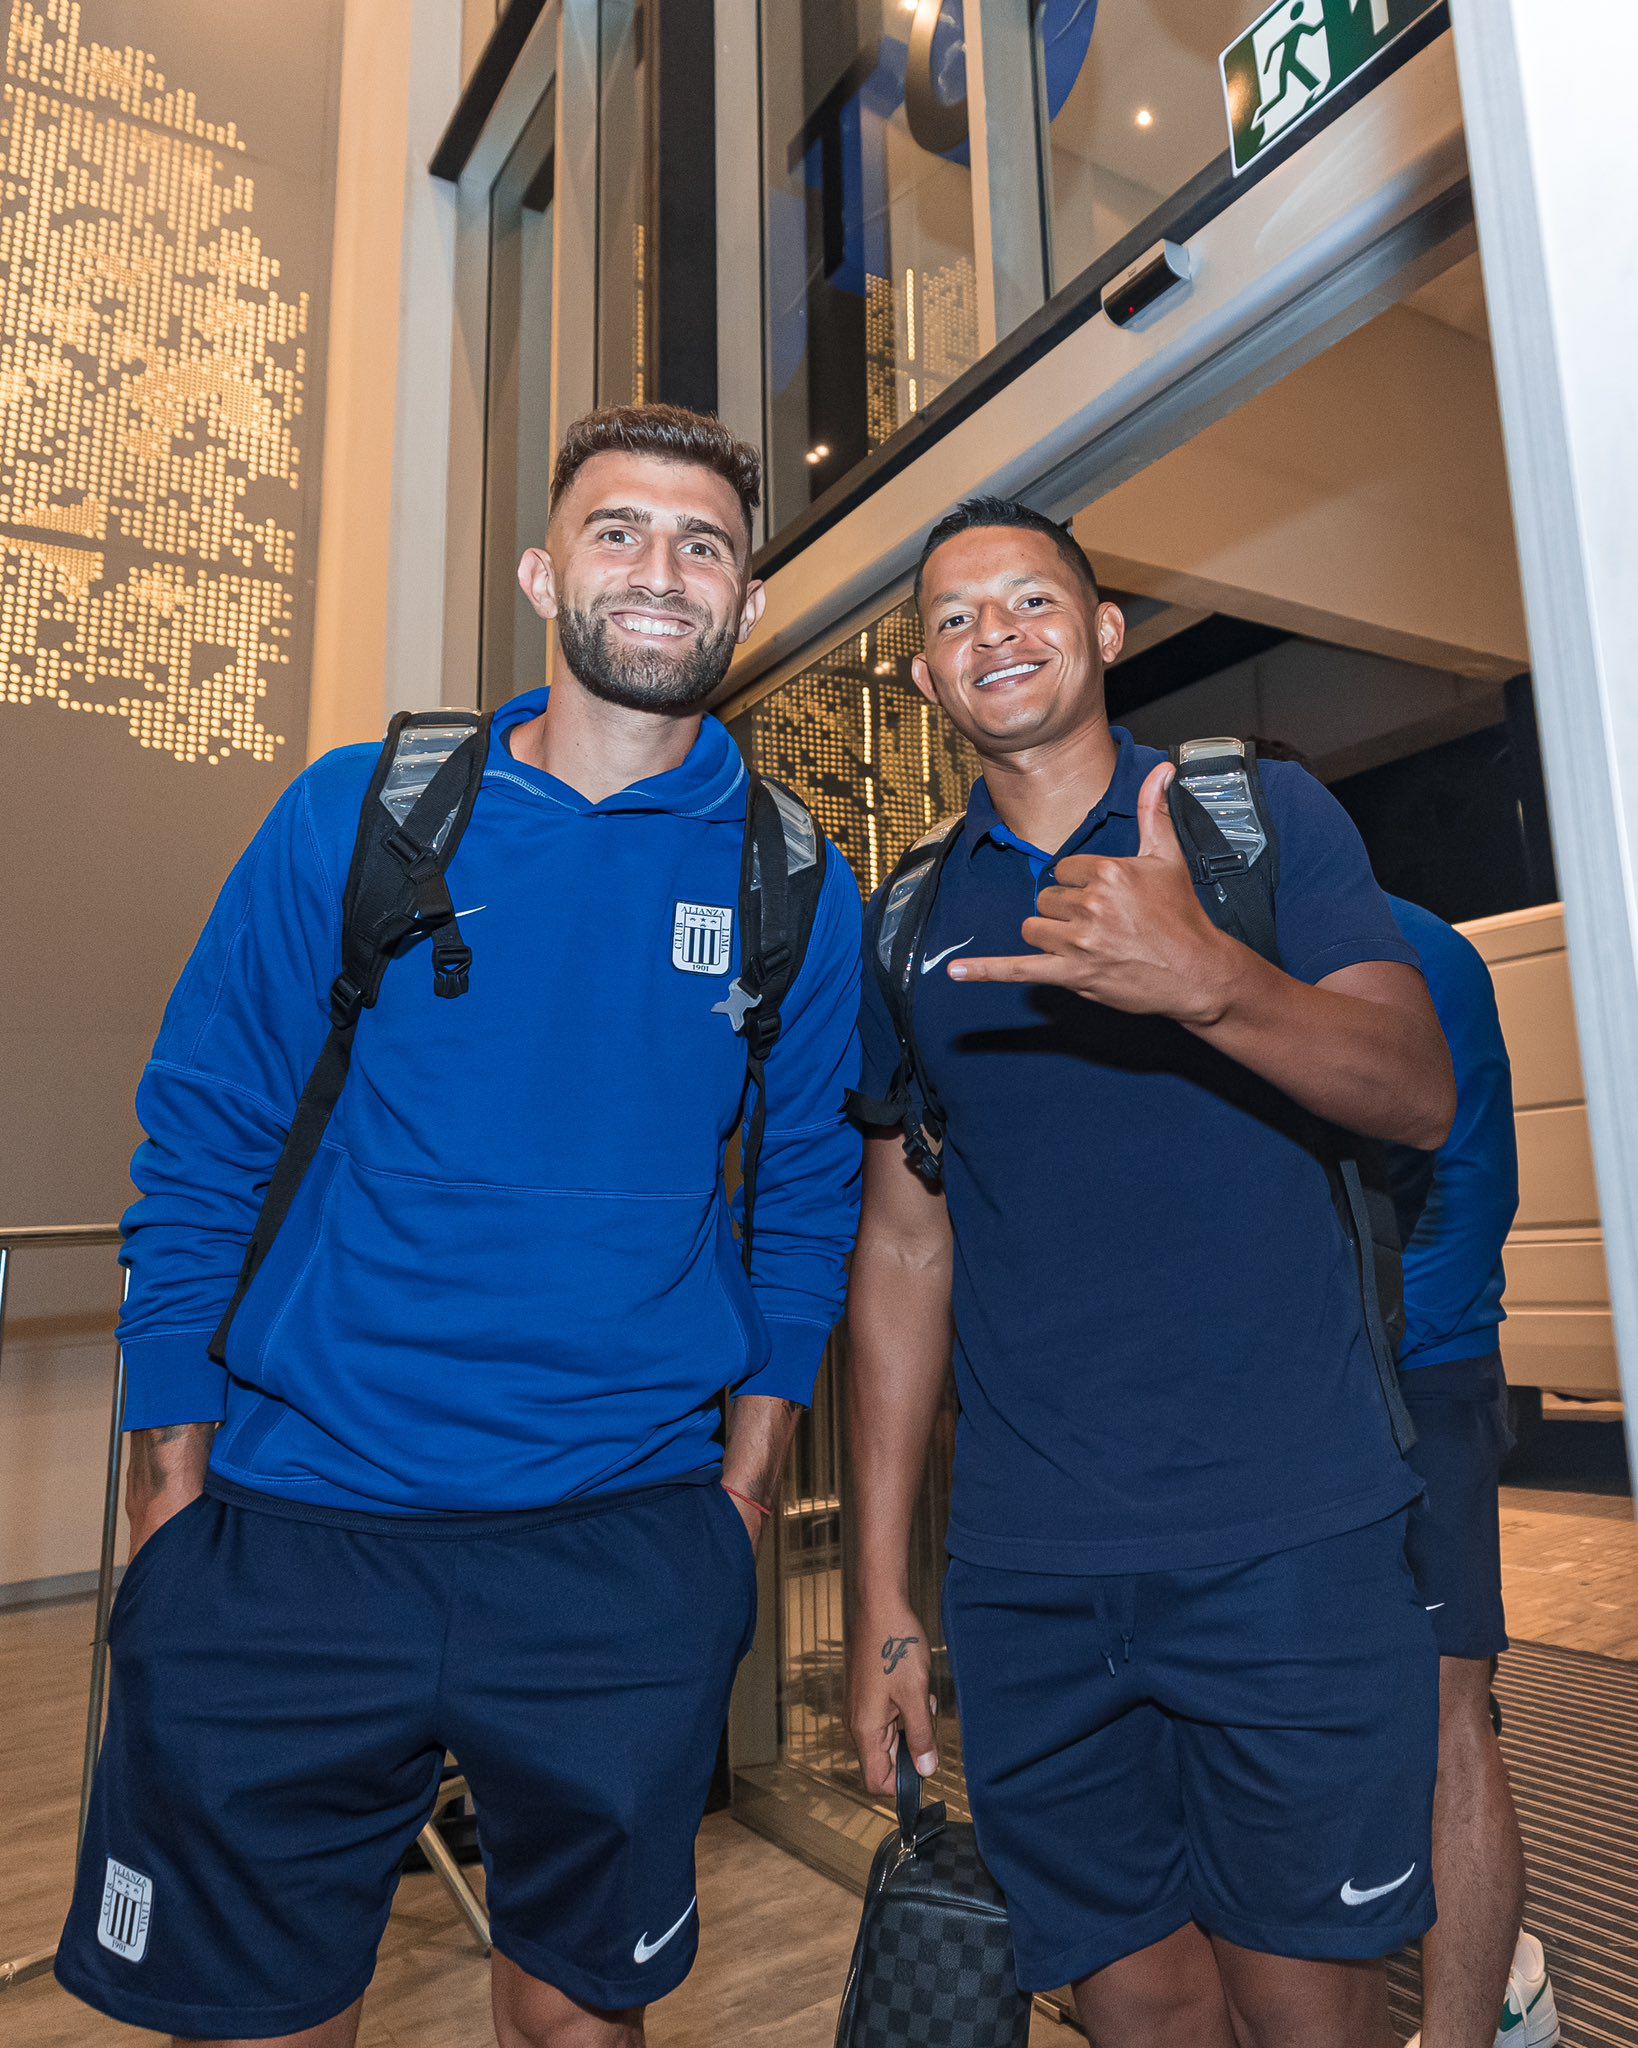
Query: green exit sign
{"type": "Point", "coordinates": [1295, 56]}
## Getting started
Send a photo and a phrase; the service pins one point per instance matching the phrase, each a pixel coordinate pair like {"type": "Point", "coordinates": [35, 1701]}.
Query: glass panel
{"type": "Point", "coordinates": [517, 435]}
{"type": "Point", "coordinates": [1136, 107]}
{"type": "Point", "coordinates": [878, 765]}
{"type": "Point", "coordinates": [622, 285]}
{"type": "Point", "coordinates": [871, 292]}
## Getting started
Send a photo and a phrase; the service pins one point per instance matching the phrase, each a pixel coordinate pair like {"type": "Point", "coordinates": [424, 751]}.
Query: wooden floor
{"type": "Point", "coordinates": [775, 1937]}
{"type": "Point", "coordinates": [1569, 1541]}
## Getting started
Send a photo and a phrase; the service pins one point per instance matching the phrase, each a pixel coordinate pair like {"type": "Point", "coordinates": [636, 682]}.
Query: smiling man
{"type": "Point", "coordinates": [460, 1484]}
{"type": "Point", "coordinates": [1198, 1691]}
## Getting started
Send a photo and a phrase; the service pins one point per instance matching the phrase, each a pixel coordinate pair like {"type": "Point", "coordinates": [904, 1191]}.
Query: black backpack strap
{"type": "Point", "coordinates": [781, 878]}
{"type": "Point", "coordinates": [420, 797]}
{"type": "Point", "coordinates": [911, 1104]}
{"type": "Point", "coordinates": [1236, 882]}
{"type": "Point", "coordinates": [1375, 1232]}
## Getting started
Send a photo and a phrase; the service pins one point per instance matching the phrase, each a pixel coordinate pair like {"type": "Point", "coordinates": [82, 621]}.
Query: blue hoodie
{"type": "Point", "coordinates": [509, 1278]}
{"type": "Point", "coordinates": [1457, 1205]}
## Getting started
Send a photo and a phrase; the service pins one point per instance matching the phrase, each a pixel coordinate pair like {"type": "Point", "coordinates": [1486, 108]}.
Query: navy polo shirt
{"type": "Point", "coordinates": [1160, 1353]}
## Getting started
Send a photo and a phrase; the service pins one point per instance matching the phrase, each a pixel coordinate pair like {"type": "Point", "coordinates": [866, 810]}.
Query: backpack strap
{"type": "Point", "coordinates": [781, 878]}
{"type": "Point", "coordinates": [420, 797]}
{"type": "Point", "coordinates": [1228, 838]}
{"type": "Point", "coordinates": [1233, 850]}
{"type": "Point", "coordinates": [911, 1104]}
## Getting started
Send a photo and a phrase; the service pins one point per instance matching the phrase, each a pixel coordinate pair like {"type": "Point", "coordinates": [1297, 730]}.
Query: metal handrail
{"type": "Point", "coordinates": [20, 1968]}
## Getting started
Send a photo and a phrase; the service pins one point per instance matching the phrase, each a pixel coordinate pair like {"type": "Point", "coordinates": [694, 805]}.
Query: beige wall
{"type": "Point", "coordinates": [1363, 501]}
{"type": "Point", "coordinates": [379, 618]}
{"type": "Point", "coordinates": [119, 851]}
{"type": "Point", "coordinates": [154, 684]}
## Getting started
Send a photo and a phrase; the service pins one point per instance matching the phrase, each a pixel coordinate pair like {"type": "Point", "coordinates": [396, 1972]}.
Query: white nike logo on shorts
{"type": "Point", "coordinates": [1350, 1897]}
{"type": "Point", "coordinates": [646, 1948]}
{"type": "Point", "coordinates": [927, 966]}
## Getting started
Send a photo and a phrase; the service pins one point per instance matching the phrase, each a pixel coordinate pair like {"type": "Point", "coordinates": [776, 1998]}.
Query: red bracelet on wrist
{"type": "Point", "coordinates": [734, 1493]}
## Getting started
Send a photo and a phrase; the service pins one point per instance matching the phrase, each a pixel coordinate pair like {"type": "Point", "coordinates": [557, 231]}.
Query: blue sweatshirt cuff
{"type": "Point", "coordinates": [797, 1350]}
{"type": "Point", "coordinates": [171, 1377]}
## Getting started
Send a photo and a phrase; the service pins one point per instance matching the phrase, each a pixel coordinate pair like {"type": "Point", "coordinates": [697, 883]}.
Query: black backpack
{"type": "Point", "coordinates": [1236, 873]}
{"type": "Point", "coordinates": [420, 798]}
{"type": "Point", "coordinates": [932, 1967]}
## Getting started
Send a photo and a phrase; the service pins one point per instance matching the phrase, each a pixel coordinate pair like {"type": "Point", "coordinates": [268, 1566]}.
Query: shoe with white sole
{"type": "Point", "coordinates": [1529, 2016]}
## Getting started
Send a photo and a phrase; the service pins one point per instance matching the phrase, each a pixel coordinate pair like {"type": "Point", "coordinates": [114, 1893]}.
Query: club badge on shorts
{"type": "Point", "coordinates": [127, 1903]}
{"type": "Point", "coordinates": [702, 938]}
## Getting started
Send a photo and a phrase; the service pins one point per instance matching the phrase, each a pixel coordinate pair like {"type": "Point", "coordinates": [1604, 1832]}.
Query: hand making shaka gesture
{"type": "Point", "coordinates": [1127, 932]}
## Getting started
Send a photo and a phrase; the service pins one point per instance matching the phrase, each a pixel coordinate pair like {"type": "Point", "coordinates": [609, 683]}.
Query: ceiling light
{"type": "Point", "coordinates": [884, 668]}
{"type": "Point", "coordinates": [1144, 118]}
{"type": "Point", "coordinates": [817, 453]}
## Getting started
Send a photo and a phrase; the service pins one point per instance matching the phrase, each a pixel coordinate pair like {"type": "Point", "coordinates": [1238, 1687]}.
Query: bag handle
{"type": "Point", "coordinates": [918, 1824]}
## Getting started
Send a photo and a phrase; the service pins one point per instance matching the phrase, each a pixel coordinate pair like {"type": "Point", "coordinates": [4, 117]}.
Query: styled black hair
{"type": "Point", "coordinates": [976, 512]}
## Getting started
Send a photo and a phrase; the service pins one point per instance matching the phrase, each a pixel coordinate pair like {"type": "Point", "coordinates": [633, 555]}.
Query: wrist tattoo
{"type": "Point", "coordinates": [894, 1652]}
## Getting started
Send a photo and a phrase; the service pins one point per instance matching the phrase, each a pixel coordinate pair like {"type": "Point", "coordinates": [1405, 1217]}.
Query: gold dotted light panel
{"type": "Point", "coordinates": [921, 333]}
{"type": "Point", "coordinates": [877, 762]}
{"type": "Point", "coordinates": [151, 384]}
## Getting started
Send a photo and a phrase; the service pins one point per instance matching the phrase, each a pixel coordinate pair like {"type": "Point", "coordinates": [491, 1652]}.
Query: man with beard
{"type": "Point", "coordinates": [460, 1484]}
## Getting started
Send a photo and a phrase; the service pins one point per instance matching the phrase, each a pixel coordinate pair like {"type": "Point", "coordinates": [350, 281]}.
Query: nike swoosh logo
{"type": "Point", "coordinates": [646, 1948]}
{"type": "Point", "coordinates": [1434, 1609]}
{"type": "Point", "coordinates": [473, 911]}
{"type": "Point", "coordinates": [927, 966]}
{"type": "Point", "coordinates": [1350, 1897]}
{"type": "Point", "coordinates": [1512, 2017]}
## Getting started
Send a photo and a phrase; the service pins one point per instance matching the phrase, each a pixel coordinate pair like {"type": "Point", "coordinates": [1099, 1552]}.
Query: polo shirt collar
{"type": "Point", "coordinates": [1119, 800]}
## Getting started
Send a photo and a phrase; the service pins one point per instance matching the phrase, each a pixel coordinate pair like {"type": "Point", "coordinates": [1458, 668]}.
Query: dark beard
{"type": "Point", "coordinates": [640, 680]}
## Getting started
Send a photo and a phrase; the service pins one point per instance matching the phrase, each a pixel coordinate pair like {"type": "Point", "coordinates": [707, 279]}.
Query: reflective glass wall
{"type": "Point", "coordinates": [872, 299]}
{"type": "Point", "coordinates": [1134, 111]}
{"type": "Point", "coordinates": [879, 765]}
{"type": "Point", "coordinates": [624, 325]}
{"type": "Point", "coordinates": [517, 438]}
{"type": "Point", "coordinates": [870, 289]}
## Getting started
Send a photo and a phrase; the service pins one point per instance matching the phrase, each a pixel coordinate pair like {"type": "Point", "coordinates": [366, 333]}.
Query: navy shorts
{"type": "Point", "coordinates": [285, 1683]}
{"type": "Point", "coordinates": [1250, 1746]}
{"type": "Point", "coordinates": [1454, 1538]}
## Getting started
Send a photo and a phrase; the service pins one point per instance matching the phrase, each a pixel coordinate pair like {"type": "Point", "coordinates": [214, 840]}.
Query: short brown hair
{"type": "Point", "coordinates": [669, 431]}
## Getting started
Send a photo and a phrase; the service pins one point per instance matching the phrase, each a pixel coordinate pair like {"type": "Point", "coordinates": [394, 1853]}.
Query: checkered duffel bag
{"type": "Point", "coordinates": [932, 1967]}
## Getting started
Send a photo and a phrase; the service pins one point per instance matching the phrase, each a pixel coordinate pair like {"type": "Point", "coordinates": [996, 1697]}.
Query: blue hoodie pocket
{"type": "Point", "coordinates": [444, 1343]}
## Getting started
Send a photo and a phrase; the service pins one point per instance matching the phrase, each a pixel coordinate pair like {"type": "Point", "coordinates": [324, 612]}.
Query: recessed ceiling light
{"type": "Point", "coordinates": [1144, 118]}
{"type": "Point", "coordinates": [817, 452]}
{"type": "Point", "coordinates": [884, 668]}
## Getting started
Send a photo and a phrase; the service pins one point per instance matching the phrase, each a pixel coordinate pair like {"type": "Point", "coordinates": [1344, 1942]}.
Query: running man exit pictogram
{"type": "Point", "coordinates": [1295, 55]}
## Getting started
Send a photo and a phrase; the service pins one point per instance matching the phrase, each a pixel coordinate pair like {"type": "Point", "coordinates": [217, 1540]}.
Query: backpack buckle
{"type": "Point", "coordinates": [451, 968]}
{"type": "Point", "coordinates": [760, 1031]}
{"type": "Point", "coordinates": [924, 1152]}
{"type": "Point", "coordinates": [346, 1000]}
{"type": "Point", "coordinates": [1211, 867]}
{"type": "Point", "coordinates": [418, 862]}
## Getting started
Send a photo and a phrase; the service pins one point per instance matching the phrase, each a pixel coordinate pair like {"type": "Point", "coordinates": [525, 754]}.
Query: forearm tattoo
{"type": "Point", "coordinates": [148, 1472]}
